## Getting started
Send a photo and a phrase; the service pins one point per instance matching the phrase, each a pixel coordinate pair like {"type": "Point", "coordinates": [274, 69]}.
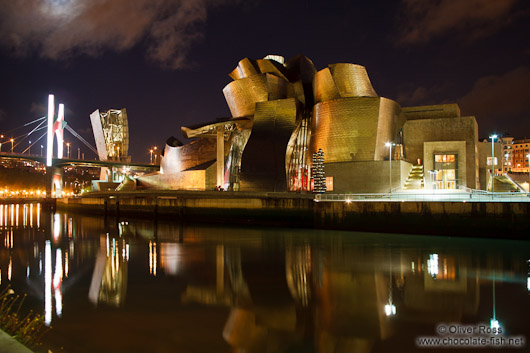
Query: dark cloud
{"type": "Point", "coordinates": [422, 20]}
{"type": "Point", "coordinates": [59, 29]}
{"type": "Point", "coordinates": [499, 97]}
{"type": "Point", "coordinates": [410, 94]}
{"type": "Point", "coordinates": [417, 96]}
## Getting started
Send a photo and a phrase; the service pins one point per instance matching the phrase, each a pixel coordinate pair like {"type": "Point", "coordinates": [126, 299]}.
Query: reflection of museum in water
{"type": "Point", "coordinates": [265, 289]}
{"type": "Point", "coordinates": [284, 112]}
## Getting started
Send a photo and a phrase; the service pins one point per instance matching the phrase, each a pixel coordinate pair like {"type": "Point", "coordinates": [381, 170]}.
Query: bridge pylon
{"type": "Point", "coordinates": [54, 175]}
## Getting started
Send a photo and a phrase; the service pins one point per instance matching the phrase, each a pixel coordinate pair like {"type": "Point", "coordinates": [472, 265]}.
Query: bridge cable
{"type": "Point", "coordinates": [37, 140]}
{"type": "Point", "coordinates": [21, 126]}
{"type": "Point", "coordinates": [29, 133]}
{"type": "Point", "coordinates": [73, 132]}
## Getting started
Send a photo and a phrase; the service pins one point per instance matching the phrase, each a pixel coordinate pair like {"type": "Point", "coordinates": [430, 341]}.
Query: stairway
{"type": "Point", "coordinates": [503, 184]}
{"type": "Point", "coordinates": [415, 179]}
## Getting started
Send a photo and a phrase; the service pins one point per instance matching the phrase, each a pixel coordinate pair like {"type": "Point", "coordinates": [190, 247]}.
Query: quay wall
{"type": "Point", "coordinates": [471, 219]}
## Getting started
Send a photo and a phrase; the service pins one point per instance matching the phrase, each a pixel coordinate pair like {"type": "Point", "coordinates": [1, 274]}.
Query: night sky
{"type": "Point", "coordinates": [167, 61]}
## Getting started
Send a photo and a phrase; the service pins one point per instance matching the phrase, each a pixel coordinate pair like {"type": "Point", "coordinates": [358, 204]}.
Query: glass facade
{"type": "Point", "coordinates": [446, 171]}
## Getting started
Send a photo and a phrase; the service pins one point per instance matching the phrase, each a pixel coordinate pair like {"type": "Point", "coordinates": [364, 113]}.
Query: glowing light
{"type": "Point", "coordinates": [432, 265]}
{"type": "Point", "coordinates": [54, 128]}
{"type": "Point", "coordinates": [9, 269]}
{"type": "Point", "coordinates": [152, 258]}
{"type": "Point", "coordinates": [38, 215]}
{"type": "Point", "coordinates": [390, 309]}
{"type": "Point", "coordinates": [56, 226]}
{"type": "Point", "coordinates": [66, 264]}
{"type": "Point", "coordinates": [57, 282]}
{"type": "Point", "coordinates": [495, 325]}
{"type": "Point", "coordinates": [48, 283]}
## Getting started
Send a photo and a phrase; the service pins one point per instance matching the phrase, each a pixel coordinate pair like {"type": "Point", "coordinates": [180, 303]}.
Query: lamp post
{"type": "Point", "coordinates": [68, 149]}
{"type": "Point", "coordinates": [41, 147]}
{"type": "Point", "coordinates": [493, 137]}
{"type": "Point", "coordinates": [29, 148]}
{"type": "Point", "coordinates": [528, 156]}
{"type": "Point", "coordinates": [389, 145]}
{"type": "Point", "coordinates": [151, 159]}
{"type": "Point", "coordinates": [12, 141]}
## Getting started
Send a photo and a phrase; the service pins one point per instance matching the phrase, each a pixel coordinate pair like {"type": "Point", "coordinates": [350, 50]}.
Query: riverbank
{"type": "Point", "coordinates": [10, 345]}
{"type": "Point", "coordinates": [491, 219]}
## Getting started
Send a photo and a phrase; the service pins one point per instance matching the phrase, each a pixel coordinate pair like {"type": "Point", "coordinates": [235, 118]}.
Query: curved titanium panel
{"type": "Point", "coordinates": [278, 88]}
{"type": "Point", "coordinates": [345, 129]}
{"type": "Point", "coordinates": [270, 67]}
{"type": "Point", "coordinates": [390, 122]}
{"type": "Point", "coordinates": [197, 152]}
{"type": "Point", "coordinates": [245, 68]}
{"type": "Point", "coordinates": [324, 87]}
{"type": "Point", "coordinates": [263, 160]}
{"type": "Point", "coordinates": [352, 80]}
{"type": "Point", "coordinates": [355, 129]}
{"type": "Point", "coordinates": [242, 95]}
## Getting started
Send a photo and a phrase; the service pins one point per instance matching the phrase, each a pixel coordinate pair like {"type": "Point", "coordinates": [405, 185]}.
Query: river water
{"type": "Point", "coordinates": [130, 285]}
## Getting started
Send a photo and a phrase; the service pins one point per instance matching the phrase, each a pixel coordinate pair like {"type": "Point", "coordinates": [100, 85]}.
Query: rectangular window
{"type": "Point", "coordinates": [445, 168]}
{"type": "Point", "coordinates": [329, 183]}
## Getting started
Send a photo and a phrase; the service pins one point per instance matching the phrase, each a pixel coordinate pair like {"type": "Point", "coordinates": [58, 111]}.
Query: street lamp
{"type": "Point", "coordinates": [41, 147]}
{"type": "Point", "coordinates": [12, 141]}
{"type": "Point", "coordinates": [151, 160]}
{"type": "Point", "coordinates": [493, 137]}
{"type": "Point", "coordinates": [68, 149]}
{"type": "Point", "coordinates": [29, 148]}
{"type": "Point", "coordinates": [389, 145]}
{"type": "Point", "coordinates": [528, 156]}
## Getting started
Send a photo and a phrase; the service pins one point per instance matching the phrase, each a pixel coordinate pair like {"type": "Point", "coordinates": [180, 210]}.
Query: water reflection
{"type": "Point", "coordinates": [260, 290]}
{"type": "Point", "coordinates": [109, 278]}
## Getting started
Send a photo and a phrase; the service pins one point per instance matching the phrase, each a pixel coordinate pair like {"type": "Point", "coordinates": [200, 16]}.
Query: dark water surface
{"type": "Point", "coordinates": [139, 286]}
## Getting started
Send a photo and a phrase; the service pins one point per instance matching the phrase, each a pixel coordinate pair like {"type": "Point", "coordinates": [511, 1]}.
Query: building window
{"type": "Point", "coordinates": [329, 183]}
{"type": "Point", "coordinates": [446, 171]}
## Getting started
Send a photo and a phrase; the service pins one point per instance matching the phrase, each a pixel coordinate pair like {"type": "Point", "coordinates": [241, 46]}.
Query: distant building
{"type": "Point", "coordinates": [282, 112]}
{"type": "Point", "coordinates": [111, 132]}
{"type": "Point", "coordinates": [507, 154]}
{"type": "Point", "coordinates": [519, 152]}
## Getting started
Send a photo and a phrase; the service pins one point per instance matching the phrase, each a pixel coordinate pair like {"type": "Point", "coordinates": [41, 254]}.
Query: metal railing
{"type": "Point", "coordinates": [470, 195]}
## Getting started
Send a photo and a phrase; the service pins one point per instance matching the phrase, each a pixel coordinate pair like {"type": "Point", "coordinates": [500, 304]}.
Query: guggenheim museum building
{"type": "Point", "coordinates": [284, 112]}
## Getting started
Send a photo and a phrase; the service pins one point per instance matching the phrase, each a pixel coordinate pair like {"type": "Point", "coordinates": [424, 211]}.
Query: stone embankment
{"type": "Point", "coordinates": [488, 219]}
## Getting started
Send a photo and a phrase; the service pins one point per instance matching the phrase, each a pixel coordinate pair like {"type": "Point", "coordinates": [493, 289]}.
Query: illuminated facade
{"type": "Point", "coordinates": [54, 175]}
{"type": "Point", "coordinates": [111, 132]}
{"type": "Point", "coordinates": [518, 152]}
{"type": "Point", "coordinates": [282, 112]}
